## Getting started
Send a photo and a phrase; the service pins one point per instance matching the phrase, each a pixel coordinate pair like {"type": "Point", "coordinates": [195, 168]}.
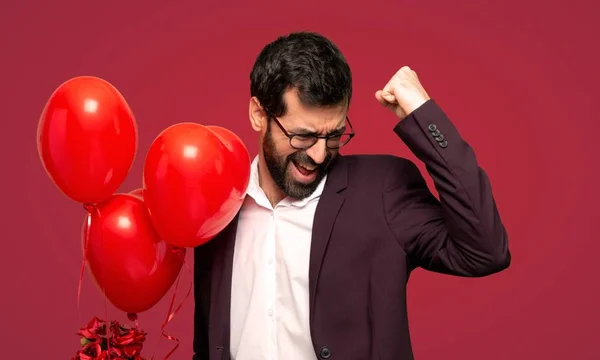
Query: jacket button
{"type": "Point", "coordinates": [432, 127]}
{"type": "Point", "coordinates": [444, 144]}
{"type": "Point", "coordinates": [325, 352]}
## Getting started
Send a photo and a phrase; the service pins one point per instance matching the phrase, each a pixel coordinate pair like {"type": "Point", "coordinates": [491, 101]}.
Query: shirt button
{"type": "Point", "coordinates": [270, 312]}
{"type": "Point", "coordinates": [270, 261]}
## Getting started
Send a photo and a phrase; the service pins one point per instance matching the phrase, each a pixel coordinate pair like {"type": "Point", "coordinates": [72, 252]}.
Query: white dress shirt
{"type": "Point", "coordinates": [269, 293]}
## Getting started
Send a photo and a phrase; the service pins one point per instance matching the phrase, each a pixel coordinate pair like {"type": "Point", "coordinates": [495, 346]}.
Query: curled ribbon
{"type": "Point", "coordinates": [171, 313]}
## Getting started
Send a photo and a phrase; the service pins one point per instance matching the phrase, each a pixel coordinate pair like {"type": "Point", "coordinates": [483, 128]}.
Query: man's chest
{"type": "Point", "coordinates": [269, 290]}
{"type": "Point", "coordinates": [273, 241]}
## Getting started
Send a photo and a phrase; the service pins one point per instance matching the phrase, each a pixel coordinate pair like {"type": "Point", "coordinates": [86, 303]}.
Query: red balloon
{"type": "Point", "coordinates": [87, 139]}
{"type": "Point", "coordinates": [235, 146]}
{"type": "Point", "coordinates": [126, 257]}
{"type": "Point", "coordinates": [195, 180]}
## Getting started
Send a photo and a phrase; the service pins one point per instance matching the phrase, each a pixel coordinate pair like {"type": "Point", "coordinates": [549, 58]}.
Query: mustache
{"type": "Point", "coordinates": [302, 158]}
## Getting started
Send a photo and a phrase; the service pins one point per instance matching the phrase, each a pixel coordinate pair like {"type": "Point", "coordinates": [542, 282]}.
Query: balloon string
{"type": "Point", "coordinates": [86, 238]}
{"type": "Point", "coordinates": [103, 273]}
{"type": "Point", "coordinates": [171, 313]}
{"type": "Point", "coordinates": [92, 208]}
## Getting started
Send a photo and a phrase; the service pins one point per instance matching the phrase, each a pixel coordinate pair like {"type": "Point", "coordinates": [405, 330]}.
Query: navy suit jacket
{"type": "Point", "coordinates": [376, 222]}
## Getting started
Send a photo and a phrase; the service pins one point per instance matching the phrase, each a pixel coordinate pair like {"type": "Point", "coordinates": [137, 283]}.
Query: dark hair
{"type": "Point", "coordinates": [307, 62]}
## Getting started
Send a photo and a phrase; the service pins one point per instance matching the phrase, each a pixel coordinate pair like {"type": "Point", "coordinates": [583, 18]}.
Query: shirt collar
{"type": "Point", "coordinates": [256, 192]}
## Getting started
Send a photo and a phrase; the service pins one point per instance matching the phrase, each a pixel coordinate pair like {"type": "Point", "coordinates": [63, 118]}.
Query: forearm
{"type": "Point", "coordinates": [467, 236]}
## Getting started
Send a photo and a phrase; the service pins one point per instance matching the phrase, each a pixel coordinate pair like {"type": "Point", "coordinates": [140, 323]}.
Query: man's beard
{"type": "Point", "coordinates": [278, 166]}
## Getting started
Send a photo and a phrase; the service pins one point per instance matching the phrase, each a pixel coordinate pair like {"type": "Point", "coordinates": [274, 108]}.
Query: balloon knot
{"type": "Point", "coordinates": [132, 316]}
{"type": "Point", "coordinates": [88, 207]}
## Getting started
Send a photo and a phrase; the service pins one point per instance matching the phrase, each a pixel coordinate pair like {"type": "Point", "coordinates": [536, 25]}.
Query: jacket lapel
{"type": "Point", "coordinates": [220, 299]}
{"type": "Point", "coordinates": [330, 203]}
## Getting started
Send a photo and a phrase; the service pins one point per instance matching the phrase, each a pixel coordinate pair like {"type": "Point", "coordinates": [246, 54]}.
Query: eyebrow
{"type": "Point", "coordinates": [301, 131]}
{"type": "Point", "coordinates": [339, 130]}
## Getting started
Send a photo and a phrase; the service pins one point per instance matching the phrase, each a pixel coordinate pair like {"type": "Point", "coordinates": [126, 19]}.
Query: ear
{"type": "Point", "coordinates": [258, 118]}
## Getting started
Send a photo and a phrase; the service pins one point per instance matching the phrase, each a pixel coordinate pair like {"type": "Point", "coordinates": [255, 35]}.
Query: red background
{"type": "Point", "coordinates": [518, 78]}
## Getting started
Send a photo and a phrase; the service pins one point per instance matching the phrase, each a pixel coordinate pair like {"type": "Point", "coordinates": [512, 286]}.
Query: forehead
{"type": "Point", "coordinates": [314, 119]}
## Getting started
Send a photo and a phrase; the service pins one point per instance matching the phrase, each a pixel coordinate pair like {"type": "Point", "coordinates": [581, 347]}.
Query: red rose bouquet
{"type": "Point", "coordinates": [102, 341]}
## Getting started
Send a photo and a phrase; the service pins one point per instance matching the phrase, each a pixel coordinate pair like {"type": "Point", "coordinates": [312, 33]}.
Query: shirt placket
{"type": "Point", "coordinates": [272, 283]}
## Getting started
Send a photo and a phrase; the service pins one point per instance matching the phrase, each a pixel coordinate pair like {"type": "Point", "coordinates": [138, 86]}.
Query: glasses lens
{"type": "Point", "coordinates": [303, 142]}
{"type": "Point", "coordinates": [338, 141]}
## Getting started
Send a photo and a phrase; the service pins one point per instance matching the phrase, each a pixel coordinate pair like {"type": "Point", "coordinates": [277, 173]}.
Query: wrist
{"type": "Point", "coordinates": [410, 107]}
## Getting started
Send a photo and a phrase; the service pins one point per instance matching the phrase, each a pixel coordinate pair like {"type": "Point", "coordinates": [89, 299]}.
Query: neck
{"type": "Point", "coordinates": [266, 183]}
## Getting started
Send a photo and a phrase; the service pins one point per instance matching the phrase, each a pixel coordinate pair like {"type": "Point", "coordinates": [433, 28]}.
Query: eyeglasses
{"type": "Point", "coordinates": [305, 141]}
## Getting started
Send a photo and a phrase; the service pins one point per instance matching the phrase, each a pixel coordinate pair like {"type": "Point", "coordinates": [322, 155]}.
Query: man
{"type": "Point", "coordinates": [315, 265]}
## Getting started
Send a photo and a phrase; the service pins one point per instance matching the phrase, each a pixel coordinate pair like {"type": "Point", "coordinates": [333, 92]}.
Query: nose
{"type": "Point", "coordinates": [318, 151]}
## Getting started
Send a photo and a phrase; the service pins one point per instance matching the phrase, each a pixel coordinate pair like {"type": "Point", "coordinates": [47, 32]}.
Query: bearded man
{"type": "Point", "coordinates": [316, 263]}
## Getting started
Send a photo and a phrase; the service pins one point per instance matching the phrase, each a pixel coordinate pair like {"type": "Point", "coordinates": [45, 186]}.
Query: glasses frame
{"type": "Point", "coordinates": [291, 136]}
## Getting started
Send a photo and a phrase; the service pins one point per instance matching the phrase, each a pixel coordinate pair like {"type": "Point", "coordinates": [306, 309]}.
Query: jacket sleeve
{"type": "Point", "coordinates": [461, 234]}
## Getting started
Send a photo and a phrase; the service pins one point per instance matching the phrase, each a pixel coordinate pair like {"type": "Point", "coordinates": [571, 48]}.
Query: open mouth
{"type": "Point", "coordinates": [304, 170]}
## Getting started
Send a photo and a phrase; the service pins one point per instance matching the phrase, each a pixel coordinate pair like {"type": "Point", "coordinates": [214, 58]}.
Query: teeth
{"type": "Point", "coordinates": [305, 168]}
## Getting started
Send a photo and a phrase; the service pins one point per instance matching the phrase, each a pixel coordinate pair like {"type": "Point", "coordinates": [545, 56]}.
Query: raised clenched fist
{"type": "Point", "coordinates": [403, 93]}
